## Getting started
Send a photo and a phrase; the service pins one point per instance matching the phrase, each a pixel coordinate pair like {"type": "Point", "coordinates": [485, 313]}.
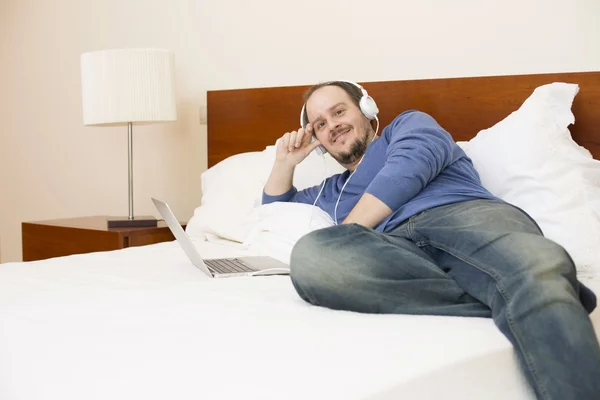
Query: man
{"type": "Point", "coordinates": [417, 233]}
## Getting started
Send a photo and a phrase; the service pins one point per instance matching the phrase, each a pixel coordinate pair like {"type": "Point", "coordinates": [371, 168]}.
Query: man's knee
{"type": "Point", "coordinates": [548, 276]}
{"type": "Point", "coordinates": [310, 255]}
{"type": "Point", "coordinates": [553, 262]}
{"type": "Point", "coordinates": [317, 263]}
{"type": "Point", "coordinates": [535, 259]}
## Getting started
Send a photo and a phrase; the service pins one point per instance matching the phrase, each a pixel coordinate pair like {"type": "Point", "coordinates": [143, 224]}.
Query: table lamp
{"type": "Point", "coordinates": [124, 86]}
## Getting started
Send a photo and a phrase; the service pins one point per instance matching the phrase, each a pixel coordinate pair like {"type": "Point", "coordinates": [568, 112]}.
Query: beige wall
{"type": "Point", "coordinates": [51, 166]}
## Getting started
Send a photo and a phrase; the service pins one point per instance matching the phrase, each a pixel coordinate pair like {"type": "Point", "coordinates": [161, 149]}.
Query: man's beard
{"type": "Point", "coordinates": [358, 148]}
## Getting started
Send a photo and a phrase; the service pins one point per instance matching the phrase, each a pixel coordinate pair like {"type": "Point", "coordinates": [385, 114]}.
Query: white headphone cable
{"type": "Point", "coordinates": [350, 177]}
{"type": "Point", "coordinates": [320, 191]}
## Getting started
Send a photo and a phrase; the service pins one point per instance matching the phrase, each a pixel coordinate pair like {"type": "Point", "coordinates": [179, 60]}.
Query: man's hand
{"type": "Point", "coordinates": [293, 147]}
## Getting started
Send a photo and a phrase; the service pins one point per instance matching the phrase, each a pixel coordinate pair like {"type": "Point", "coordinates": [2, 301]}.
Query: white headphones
{"type": "Point", "coordinates": [366, 104]}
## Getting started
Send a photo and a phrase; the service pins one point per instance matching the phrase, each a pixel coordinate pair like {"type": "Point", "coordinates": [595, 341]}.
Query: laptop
{"type": "Point", "coordinates": [220, 267]}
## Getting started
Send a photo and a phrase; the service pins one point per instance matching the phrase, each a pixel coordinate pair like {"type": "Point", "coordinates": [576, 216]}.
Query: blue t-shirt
{"type": "Point", "coordinates": [415, 165]}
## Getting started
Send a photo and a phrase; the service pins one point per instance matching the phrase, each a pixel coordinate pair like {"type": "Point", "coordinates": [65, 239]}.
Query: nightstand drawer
{"type": "Point", "coordinates": [164, 235]}
{"type": "Point", "coordinates": [47, 239]}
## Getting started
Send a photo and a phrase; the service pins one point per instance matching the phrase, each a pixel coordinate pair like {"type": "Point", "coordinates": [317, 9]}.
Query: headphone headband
{"type": "Point", "coordinates": [362, 89]}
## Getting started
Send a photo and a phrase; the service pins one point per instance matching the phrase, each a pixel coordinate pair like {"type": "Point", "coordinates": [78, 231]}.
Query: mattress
{"type": "Point", "coordinates": [143, 322]}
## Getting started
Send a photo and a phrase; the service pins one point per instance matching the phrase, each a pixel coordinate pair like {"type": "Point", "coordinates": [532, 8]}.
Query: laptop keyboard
{"type": "Point", "coordinates": [228, 266]}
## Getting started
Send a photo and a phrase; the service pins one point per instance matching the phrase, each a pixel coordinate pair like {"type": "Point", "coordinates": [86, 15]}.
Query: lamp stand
{"type": "Point", "coordinates": [131, 221]}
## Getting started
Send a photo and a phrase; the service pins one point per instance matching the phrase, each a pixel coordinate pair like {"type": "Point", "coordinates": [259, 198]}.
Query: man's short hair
{"type": "Point", "coordinates": [353, 91]}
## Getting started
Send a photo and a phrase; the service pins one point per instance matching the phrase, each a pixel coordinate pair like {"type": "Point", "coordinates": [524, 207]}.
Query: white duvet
{"type": "Point", "coordinates": [143, 323]}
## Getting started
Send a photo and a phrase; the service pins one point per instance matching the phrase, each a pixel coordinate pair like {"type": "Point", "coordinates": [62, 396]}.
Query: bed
{"type": "Point", "coordinates": [144, 323]}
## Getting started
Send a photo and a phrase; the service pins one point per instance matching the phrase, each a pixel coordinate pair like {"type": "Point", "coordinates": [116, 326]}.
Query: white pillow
{"type": "Point", "coordinates": [530, 160]}
{"type": "Point", "coordinates": [290, 221]}
{"type": "Point", "coordinates": [233, 188]}
{"type": "Point", "coordinates": [230, 190]}
{"type": "Point", "coordinates": [313, 169]}
{"type": "Point", "coordinates": [276, 227]}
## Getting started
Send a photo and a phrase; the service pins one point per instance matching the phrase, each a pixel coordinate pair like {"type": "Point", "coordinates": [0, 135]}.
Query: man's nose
{"type": "Point", "coordinates": [332, 125]}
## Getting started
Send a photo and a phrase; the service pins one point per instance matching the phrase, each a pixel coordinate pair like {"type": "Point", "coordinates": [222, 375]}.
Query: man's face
{"type": "Point", "coordinates": [338, 123]}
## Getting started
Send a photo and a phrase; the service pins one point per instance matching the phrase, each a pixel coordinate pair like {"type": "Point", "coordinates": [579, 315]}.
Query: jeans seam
{"type": "Point", "coordinates": [410, 230]}
{"type": "Point", "coordinates": [509, 318]}
{"type": "Point", "coordinates": [422, 243]}
{"type": "Point", "coordinates": [411, 234]}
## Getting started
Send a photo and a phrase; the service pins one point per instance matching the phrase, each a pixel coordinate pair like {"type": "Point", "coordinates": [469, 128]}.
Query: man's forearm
{"type": "Point", "coordinates": [368, 212]}
{"type": "Point", "coordinates": [281, 179]}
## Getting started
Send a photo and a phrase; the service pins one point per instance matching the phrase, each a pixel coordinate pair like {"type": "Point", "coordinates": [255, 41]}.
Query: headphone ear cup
{"type": "Point", "coordinates": [368, 107]}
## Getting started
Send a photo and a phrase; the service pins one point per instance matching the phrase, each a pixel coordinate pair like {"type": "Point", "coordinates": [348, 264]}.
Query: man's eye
{"type": "Point", "coordinates": [320, 125]}
{"type": "Point", "coordinates": [339, 112]}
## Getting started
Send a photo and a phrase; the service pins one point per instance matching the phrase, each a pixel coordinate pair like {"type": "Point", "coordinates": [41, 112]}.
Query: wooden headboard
{"type": "Point", "coordinates": [246, 120]}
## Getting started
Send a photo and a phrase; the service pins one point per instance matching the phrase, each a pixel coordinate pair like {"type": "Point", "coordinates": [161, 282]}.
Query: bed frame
{"type": "Point", "coordinates": [244, 120]}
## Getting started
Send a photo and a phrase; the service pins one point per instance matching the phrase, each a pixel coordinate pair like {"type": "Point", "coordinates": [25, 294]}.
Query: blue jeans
{"type": "Point", "coordinates": [480, 258]}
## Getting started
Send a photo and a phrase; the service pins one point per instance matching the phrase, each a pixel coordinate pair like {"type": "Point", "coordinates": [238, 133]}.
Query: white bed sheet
{"type": "Point", "coordinates": [144, 323]}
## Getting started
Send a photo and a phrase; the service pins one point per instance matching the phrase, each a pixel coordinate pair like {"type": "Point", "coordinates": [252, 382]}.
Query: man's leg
{"type": "Point", "coordinates": [498, 255]}
{"type": "Point", "coordinates": [353, 268]}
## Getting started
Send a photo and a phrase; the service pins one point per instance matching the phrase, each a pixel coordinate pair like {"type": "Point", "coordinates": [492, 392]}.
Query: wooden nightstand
{"type": "Point", "coordinates": [46, 239]}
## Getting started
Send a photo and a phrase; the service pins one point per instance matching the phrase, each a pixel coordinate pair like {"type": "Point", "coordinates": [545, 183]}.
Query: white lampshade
{"type": "Point", "coordinates": [128, 85]}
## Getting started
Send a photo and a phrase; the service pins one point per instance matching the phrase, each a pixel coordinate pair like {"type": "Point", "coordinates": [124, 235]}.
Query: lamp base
{"type": "Point", "coordinates": [125, 222]}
